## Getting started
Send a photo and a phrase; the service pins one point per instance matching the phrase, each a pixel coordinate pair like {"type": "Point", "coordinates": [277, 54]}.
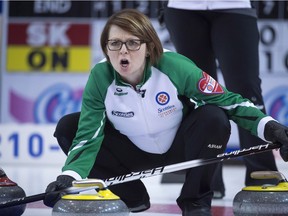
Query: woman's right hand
{"type": "Point", "coordinates": [53, 190]}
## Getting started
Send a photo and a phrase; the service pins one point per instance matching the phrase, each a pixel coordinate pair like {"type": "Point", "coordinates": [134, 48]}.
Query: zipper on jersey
{"type": "Point", "coordinates": [141, 97]}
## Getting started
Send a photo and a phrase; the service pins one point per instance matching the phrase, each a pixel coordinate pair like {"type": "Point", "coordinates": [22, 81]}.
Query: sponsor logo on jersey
{"type": "Point", "coordinates": [123, 114]}
{"type": "Point", "coordinates": [119, 92]}
{"type": "Point", "coordinates": [162, 112]}
{"type": "Point", "coordinates": [214, 146]}
{"type": "Point", "coordinates": [208, 85]}
{"type": "Point", "coordinates": [162, 98]}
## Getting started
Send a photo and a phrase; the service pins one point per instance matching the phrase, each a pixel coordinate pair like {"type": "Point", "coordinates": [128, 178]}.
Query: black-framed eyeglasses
{"type": "Point", "coordinates": [132, 45]}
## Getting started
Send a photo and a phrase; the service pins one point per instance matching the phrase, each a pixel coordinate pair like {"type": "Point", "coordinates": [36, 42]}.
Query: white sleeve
{"type": "Point", "coordinates": [72, 173]}
{"type": "Point", "coordinates": [261, 127]}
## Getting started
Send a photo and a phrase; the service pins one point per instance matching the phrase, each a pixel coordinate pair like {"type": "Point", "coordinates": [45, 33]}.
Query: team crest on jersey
{"type": "Point", "coordinates": [208, 85]}
{"type": "Point", "coordinates": [162, 98]}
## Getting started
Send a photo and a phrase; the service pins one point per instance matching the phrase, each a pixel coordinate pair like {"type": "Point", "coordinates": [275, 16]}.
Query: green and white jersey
{"type": "Point", "coordinates": [151, 114]}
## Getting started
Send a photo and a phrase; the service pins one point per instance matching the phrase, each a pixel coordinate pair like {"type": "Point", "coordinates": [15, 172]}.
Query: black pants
{"type": "Point", "coordinates": [118, 155]}
{"type": "Point", "coordinates": [232, 39]}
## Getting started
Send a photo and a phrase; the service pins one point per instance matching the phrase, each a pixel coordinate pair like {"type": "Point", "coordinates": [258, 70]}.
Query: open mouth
{"type": "Point", "coordinates": [124, 63]}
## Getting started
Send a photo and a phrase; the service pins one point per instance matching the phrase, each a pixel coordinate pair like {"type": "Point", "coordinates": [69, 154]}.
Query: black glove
{"type": "Point", "coordinates": [276, 132]}
{"type": "Point", "coordinates": [53, 195]}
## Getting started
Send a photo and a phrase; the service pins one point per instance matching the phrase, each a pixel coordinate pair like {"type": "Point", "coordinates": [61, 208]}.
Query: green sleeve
{"type": "Point", "coordinates": [187, 78]}
{"type": "Point", "coordinates": [90, 134]}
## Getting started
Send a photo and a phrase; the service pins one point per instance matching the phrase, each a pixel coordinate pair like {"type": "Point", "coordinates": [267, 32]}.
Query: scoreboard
{"type": "Point", "coordinates": [273, 28]}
